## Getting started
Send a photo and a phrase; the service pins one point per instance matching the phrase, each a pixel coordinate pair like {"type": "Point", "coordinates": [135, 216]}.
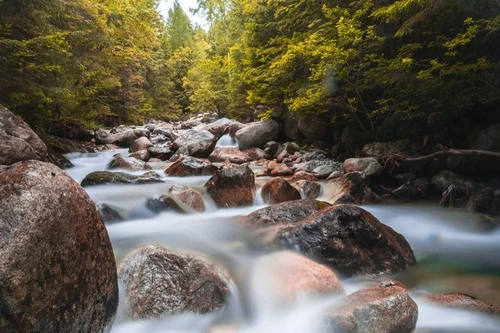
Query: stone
{"type": "Point", "coordinates": [385, 149]}
{"type": "Point", "coordinates": [108, 214]}
{"type": "Point", "coordinates": [142, 155]}
{"type": "Point", "coordinates": [218, 128]}
{"type": "Point", "coordinates": [290, 276]}
{"type": "Point", "coordinates": [199, 143]}
{"type": "Point", "coordinates": [256, 134]}
{"type": "Point", "coordinates": [158, 283]}
{"type": "Point", "coordinates": [445, 178]}
{"type": "Point", "coordinates": [158, 204]}
{"type": "Point", "coordinates": [308, 189]}
{"type": "Point", "coordinates": [230, 154]}
{"type": "Point", "coordinates": [57, 268]}
{"type": "Point", "coordinates": [351, 187]}
{"type": "Point", "coordinates": [279, 169]}
{"type": "Point", "coordinates": [256, 154]}
{"type": "Point", "coordinates": [109, 177]}
{"type": "Point", "coordinates": [190, 166]}
{"type": "Point", "coordinates": [18, 142]}
{"type": "Point", "coordinates": [123, 139]}
{"type": "Point", "coordinates": [271, 148]}
{"type": "Point", "coordinates": [162, 153]}
{"type": "Point", "coordinates": [367, 165]}
{"type": "Point", "coordinates": [303, 175]}
{"type": "Point", "coordinates": [378, 310]}
{"type": "Point", "coordinates": [488, 139]}
{"type": "Point", "coordinates": [289, 211]}
{"type": "Point", "coordinates": [348, 239]}
{"type": "Point", "coordinates": [232, 186]}
{"type": "Point", "coordinates": [279, 190]}
{"type": "Point", "coordinates": [417, 188]}
{"type": "Point", "coordinates": [167, 130]}
{"type": "Point", "coordinates": [234, 127]}
{"type": "Point", "coordinates": [323, 171]}
{"type": "Point", "coordinates": [463, 301]}
{"type": "Point", "coordinates": [142, 143]}
{"type": "Point", "coordinates": [128, 163]}
{"type": "Point", "coordinates": [185, 199]}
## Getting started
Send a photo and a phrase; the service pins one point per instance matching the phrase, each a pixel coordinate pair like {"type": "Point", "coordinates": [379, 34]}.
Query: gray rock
{"type": "Point", "coordinates": [142, 143]}
{"type": "Point", "coordinates": [122, 139]}
{"type": "Point", "coordinates": [129, 163]}
{"type": "Point", "coordinates": [57, 268]}
{"type": "Point", "coordinates": [199, 143]}
{"type": "Point", "coordinates": [367, 165]}
{"type": "Point", "coordinates": [309, 189]}
{"type": "Point", "coordinates": [256, 134]}
{"type": "Point", "coordinates": [109, 177]}
{"type": "Point", "coordinates": [444, 179]}
{"type": "Point", "coordinates": [190, 166]}
{"type": "Point", "coordinates": [185, 199]}
{"type": "Point", "coordinates": [232, 186]}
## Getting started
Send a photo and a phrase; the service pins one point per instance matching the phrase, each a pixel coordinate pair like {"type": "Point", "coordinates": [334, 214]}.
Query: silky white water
{"type": "Point", "coordinates": [451, 248]}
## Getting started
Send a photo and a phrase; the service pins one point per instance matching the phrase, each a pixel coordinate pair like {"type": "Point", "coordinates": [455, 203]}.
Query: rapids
{"type": "Point", "coordinates": [455, 254]}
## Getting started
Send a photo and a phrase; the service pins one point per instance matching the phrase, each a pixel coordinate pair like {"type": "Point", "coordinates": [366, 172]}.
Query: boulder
{"type": "Point", "coordinates": [311, 165]}
{"type": "Point", "coordinates": [323, 171]}
{"type": "Point", "coordinates": [308, 189]}
{"type": "Point", "coordinates": [299, 175]}
{"type": "Point", "coordinates": [158, 204]}
{"type": "Point", "coordinates": [162, 153]}
{"type": "Point", "coordinates": [271, 148]}
{"type": "Point", "coordinates": [166, 130]}
{"type": "Point", "coordinates": [385, 149]}
{"type": "Point", "coordinates": [190, 166]}
{"type": "Point", "coordinates": [289, 211]}
{"type": "Point", "coordinates": [185, 199]}
{"type": "Point", "coordinates": [18, 142]}
{"type": "Point", "coordinates": [350, 188]}
{"type": "Point", "coordinates": [142, 143]}
{"type": "Point", "coordinates": [234, 127]}
{"type": "Point", "coordinates": [417, 188]}
{"type": "Point", "coordinates": [123, 138]}
{"type": "Point", "coordinates": [232, 186]}
{"type": "Point", "coordinates": [279, 190]}
{"type": "Point", "coordinates": [290, 276]}
{"type": "Point", "coordinates": [57, 268]}
{"type": "Point", "coordinates": [444, 179]}
{"type": "Point", "coordinates": [315, 128]}
{"type": "Point", "coordinates": [278, 169]}
{"type": "Point", "coordinates": [379, 310]}
{"type": "Point", "coordinates": [230, 154]}
{"type": "Point", "coordinates": [158, 283]}
{"type": "Point", "coordinates": [349, 239]}
{"type": "Point", "coordinates": [109, 177]}
{"type": "Point", "coordinates": [367, 165]}
{"type": "Point", "coordinates": [218, 128]}
{"type": "Point", "coordinates": [199, 143]}
{"type": "Point", "coordinates": [128, 163]}
{"type": "Point", "coordinates": [463, 301]}
{"type": "Point", "coordinates": [256, 134]}
{"type": "Point", "coordinates": [142, 155]}
{"type": "Point", "coordinates": [256, 154]}
{"type": "Point", "coordinates": [485, 200]}
{"type": "Point", "coordinates": [108, 214]}
{"type": "Point", "coordinates": [290, 127]}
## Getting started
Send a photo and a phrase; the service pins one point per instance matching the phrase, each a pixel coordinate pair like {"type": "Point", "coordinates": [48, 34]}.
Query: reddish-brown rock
{"type": "Point", "coordinates": [190, 166]}
{"type": "Point", "coordinates": [279, 190]}
{"type": "Point", "coordinates": [299, 175]}
{"type": "Point", "coordinates": [386, 309]}
{"type": "Point", "coordinates": [232, 186]}
{"type": "Point", "coordinates": [57, 268]}
{"type": "Point", "coordinates": [142, 143]}
{"type": "Point", "coordinates": [279, 169]}
{"type": "Point", "coordinates": [158, 282]}
{"type": "Point", "coordinates": [230, 154]}
{"type": "Point", "coordinates": [463, 301]}
{"type": "Point", "coordinates": [309, 189]}
{"type": "Point", "coordinates": [128, 163]}
{"type": "Point", "coordinates": [351, 188]}
{"type": "Point", "coordinates": [185, 199]}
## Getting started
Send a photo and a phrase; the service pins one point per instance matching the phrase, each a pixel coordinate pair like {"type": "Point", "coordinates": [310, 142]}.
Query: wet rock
{"type": "Point", "coordinates": [379, 310]}
{"type": "Point", "coordinates": [256, 134]}
{"type": "Point", "coordinates": [128, 163]}
{"type": "Point", "coordinates": [108, 214]}
{"type": "Point", "coordinates": [190, 166]}
{"type": "Point", "coordinates": [141, 132]}
{"type": "Point", "coordinates": [271, 148]}
{"type": "Point", "coordinates": [158, 283]}
{"type": "Point", "coordinates": [123, 139]}
{"type": "Point", "coordinates": [323, 171]}
{"type": "Point", "coordinates": [452, 197]}
{"type": "Point", "coordinates": [367, 165]}
{"type": "Point", "coordinates": [166, 130]}
{"type": "Point", "coordinates": [463, 301]}
{"type": "Point", "coordinates": [232, 186]}
{"type": "Point", "coordinates": [109, 177]}
{"type": "Point", "coordinates": [199, 143]}
{"type": "Point", "coordinates": [311, 165]}
{"type": "Point", "coordinates": [162, 153]}
{"type": "Point", "coordinates": [185, 199]}
{"type": "Point", "coordinates": [234, 127]}
{"type": "Point", "coordinates": [142, 143]}
{"type": "Point", "coordinates": [278, 169]}
{"type": "Point", "coordinates": [279, 190]}
{"type": "Point", "coordinates": [385, 149]}
{"type": "Point", "coordinates": [351, 188]}
{"type": "Point", "coordinates": [230, 154]}
{"type": "Point", "coordinates": [256, 154]}
{"type": "Point", "coordinates": [444, 179]}
{"type": "Point", "coordinates": [158, 204]}
{"type": "Point", "coordinates": [218, 128]}
{"type": "Point", "coordinates": [58, 270]}
{"type": "Point", "coordinates": [290, 211]}
{"type": "Point", "coordinates": [309, 189]}
{"type": "Point", "coordinates": [290, 276]}
{"type": "Point", "coordinates": [142, 155]}
{"type": "Point", "coordinates": [417, 188]}
{"type": "Point", "coordinates": [303, 175]}
{"type": "Point", "coordinates": [18, 142]}
{"type": "Point", "coordinates": [350, 240]}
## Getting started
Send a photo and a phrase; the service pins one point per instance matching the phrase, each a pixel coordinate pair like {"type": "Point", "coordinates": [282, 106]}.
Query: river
{"type": "Point", "coordinates": [455, 253]}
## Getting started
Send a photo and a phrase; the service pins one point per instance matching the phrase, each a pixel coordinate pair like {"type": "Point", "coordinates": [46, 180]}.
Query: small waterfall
{"type": "Point", "coordinates": [226, 141]}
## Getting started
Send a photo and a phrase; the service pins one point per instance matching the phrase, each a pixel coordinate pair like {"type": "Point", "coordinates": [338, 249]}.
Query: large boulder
{"type": "Point", "coordinates": [279, 190]}
{"type": "Point", "coordinates": [387, 309]}
{"type": "Point", "coordinates": [230, 154]}
{"type": "Point", "coordinates": [350, 188]}
{"type": "Point", "coordinates": [109, 177]}
{"type": "Point", "coordinates": [232, 186]}
{"type": "Point", "coordinates": [218, 128]}
{"type": "Point", "coordinates": [18, 142]}
{"type": "Point", "coordinates": [199, 143]}
{"type": "Point", "coordinates": [190, 166]}
{"type": "Point", "coordinates": [290, 211]}
{"type": "Point", "coordinates": [158, 282]}
{"type": "Point", "coordinates": [349, 239]}
{"type": "Point", "coordinates": [123, 138]}
{"type": "Point", "coordinates": [256, 134]}
{"type": "Point", "coordinates": [185, 199]}
{"type": "Point", "coordinates": [57, 268]}
{"type": "Point", "coordinates": [162, 153]}
{"type": "Point", "coordinates": [367, 165]}
{"type": "Point", "coordinates": [289, 276]}
{"type": "Point", "coordinates": [142, 143]}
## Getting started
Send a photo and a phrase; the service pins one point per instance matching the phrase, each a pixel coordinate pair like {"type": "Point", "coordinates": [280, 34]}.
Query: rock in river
{"type": "Point", "coordinates": [232, 186]}
{"type": "Point", "coordinates": [57, 268]}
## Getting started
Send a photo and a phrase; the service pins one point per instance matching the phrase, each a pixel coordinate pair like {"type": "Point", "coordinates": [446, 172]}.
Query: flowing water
{"type": "Point", "coordinates": [455, 254]}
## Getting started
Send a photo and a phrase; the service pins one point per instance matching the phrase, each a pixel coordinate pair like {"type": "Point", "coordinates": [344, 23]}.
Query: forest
{"type": "Point", "coordinates": [389, 69]}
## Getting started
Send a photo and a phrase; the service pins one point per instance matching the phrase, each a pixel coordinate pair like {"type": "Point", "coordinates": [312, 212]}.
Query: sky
{"type": "Point", "coordinates": [165, 5]}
